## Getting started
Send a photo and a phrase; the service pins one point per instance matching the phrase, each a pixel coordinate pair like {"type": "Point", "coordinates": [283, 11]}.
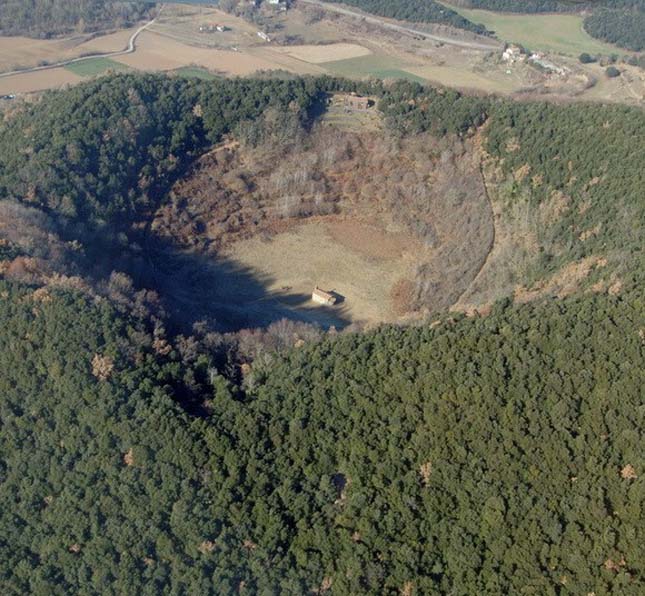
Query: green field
{"type": "Point", "coordinates": [195, 72]}
{"type": "Point", "coordinates": [95, 66]}
{"type": "Point", "coordinates": [561, 33]}
{"type": "Point", "coordinates": [381, 67]}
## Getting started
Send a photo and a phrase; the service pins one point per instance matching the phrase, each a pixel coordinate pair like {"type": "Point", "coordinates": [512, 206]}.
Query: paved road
{"type": "Point", "coordinates": [473, 45]}
{"type": "Point", "coordinates": [132, 46]}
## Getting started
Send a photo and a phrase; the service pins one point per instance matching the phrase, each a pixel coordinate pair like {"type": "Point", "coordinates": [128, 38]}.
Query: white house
{"type": "Point", "coordinates": [513, 53]}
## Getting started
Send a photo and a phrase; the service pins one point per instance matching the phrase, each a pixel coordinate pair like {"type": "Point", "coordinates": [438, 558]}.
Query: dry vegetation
{"type": "Point", "coordinates": [23, 52]}
{"type": "Point", "coordinates": [402, 226]}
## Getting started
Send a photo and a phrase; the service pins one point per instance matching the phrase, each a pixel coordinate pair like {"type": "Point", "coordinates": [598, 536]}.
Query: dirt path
{"type": "Point", "coordinates": [456, 304]}
{"type": "Point", "coordinates": [382, 22]}
{"type": "Point", "coordinates": [129, 50]}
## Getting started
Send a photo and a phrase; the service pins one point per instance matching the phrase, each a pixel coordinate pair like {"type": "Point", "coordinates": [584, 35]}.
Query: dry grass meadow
{"type": "Point", "coordinates": [38, 81]}
{"type": "Point", "coordinates": [318, 54]}
{"type": "Point", "coordinates": [362, 262]}
{"type": "Point", "coordinates": [22, 52]}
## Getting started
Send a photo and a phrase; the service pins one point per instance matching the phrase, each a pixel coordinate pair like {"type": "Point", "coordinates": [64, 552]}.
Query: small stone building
{"type": "Point", "coordinates": [321, 297]}
{"type": "Point", "coordinates": [356, 102]}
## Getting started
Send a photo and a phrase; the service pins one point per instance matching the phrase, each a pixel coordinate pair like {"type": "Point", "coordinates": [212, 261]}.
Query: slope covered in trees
{"type": "Point", "coordinates": [625, 28]}
{"type": "Point", "coordinates": [621, 22]}
{"type": "Point", "coordinates": [481, 456]}
{"type": "Point", "coordinates": [44, 18]}
{"type": "Point", "coordinates": [106, 151]}
{"type": "Point", "coordinates": [418, 11]}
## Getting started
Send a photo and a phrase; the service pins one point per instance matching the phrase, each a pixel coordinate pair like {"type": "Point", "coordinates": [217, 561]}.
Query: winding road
{"type": "Point", "coordinates": [381, 22]}
{"type": "Point", "coordinates": [132, 46]}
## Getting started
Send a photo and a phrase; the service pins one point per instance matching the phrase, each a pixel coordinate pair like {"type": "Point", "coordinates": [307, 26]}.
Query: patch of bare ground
{"type": "Point", "coordinates": [395, 226]}
{"type": "Point", "coordinates": [30, 82]}
{"type": "Point", "coordinates": [24, 52]}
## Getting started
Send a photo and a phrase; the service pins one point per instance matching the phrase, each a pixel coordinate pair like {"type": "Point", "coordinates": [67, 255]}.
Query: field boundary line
{"type": "Point", "coordinates": [130, 49]}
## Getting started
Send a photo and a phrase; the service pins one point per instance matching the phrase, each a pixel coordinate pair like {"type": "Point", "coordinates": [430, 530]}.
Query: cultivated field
{"type": "Point", "coordinates": [95, 66]}
{"type": "Point", "coordinates": [463, 77]}
{"type": "Point", "coordinates": [361, 262]}
{"type": "Point", "coordinates": [38, 81]}
{"type": "Point", "coordinates": [157, 52]}
{"type": "Point", "coordinates": [22, 52]}
{"type": "Point", "coordinates": [307, 41]}
{"type": "Point", "coordinates": [375, 65]}
{"type": "Point", "coordinates": [318, 54]}
{"type": "Point", "coordinates": [560, 33]}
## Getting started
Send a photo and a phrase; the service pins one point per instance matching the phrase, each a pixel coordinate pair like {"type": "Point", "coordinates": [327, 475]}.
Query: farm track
{"type": "Point", "coordinates": [382, 22]}
{"type": "Point", "coordinates": [455, 305]}
{"type": "Point", "coordinates": [132, 46]}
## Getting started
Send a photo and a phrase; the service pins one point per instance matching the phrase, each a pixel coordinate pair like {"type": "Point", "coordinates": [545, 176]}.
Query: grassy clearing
{"type": "Point", "coordinates": [194, 72]}
{"type": "Point", "coordinates": [379, 66]}
{"type": "Point", "coordinates": [95, 66]}
{"type": "Point", "coordinates": [360, 262]}
{"type": "Point", "coordinates": [561, 33]}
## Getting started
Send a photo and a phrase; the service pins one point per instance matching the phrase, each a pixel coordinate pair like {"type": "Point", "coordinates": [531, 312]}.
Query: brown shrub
{"type": "Point", "coordinates": [102, 367]}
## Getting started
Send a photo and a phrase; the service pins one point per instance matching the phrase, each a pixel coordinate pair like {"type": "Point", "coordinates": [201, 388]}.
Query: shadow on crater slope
{"type": "Point", "coordinates": [230, 296]}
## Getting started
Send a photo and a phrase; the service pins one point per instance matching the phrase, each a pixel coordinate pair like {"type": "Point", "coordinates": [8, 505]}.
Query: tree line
{"type": "Point", "coordinates": [474, 456]}
{"type": "Point", "coordinates": [417, 11]}
{"type": "Point", "coordinates": [47, 18]}
{"type": "Point", "coordinates": [625, 28]}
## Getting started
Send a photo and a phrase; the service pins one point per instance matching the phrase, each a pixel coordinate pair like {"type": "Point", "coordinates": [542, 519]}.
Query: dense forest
{"type": "Point", "coordinates": [45, 18]}
{"type": "Point", "coordinates": [497, 454]}
{"type": "Point", "coordinates": [625, 28]}
{"type": "Point", "coordinates": [482, 456]}
{"type": "Point", "coordinates": [419, 11]}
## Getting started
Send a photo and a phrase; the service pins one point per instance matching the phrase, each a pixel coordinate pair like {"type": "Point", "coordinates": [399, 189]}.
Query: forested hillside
{"type": "Point", "coordinates": [44, 18]}
{"type": "Point", "coordinates": [148, 451]}
{"type": "Point", "coordinates": [621, 22]}
{"type": "Point", "coordinates": [417, 11]}
{"type": "Point", "coordinates": [481, 456]}
{"type": "Point", "coordinates": [625, 28]}
{"type": "Point", "coordinates": [107, 150]}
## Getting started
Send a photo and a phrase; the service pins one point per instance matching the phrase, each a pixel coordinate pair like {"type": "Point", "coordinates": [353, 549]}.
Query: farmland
{"type": "Point", "coordinates": [380, 66]}
{"type": "Point", "coordinates": [38, 81]}
{"type": "Point", "coordinates": [560, 33]}
{"type": "Point", "coordinates": [95, 66]}
{"type": "Point", "coordinates": [22, 52]}
{"type": "Point", "coordinates": [308, 40]}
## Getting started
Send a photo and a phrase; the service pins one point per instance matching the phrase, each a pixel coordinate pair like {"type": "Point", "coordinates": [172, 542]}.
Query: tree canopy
{"type": "Point", "coordinates": [44, 18]}
{"type": "Point", "coordinates": [477, 456]}
{"type": "Point", "coordinates": [494, 454]}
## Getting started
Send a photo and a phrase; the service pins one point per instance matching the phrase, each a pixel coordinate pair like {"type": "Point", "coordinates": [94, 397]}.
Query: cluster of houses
{"type": "Point", "coordinates": [513, 53]}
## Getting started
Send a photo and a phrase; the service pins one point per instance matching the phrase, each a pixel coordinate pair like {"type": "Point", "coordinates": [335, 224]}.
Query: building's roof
{"type": "Point", "coordinates": [324, 295]}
